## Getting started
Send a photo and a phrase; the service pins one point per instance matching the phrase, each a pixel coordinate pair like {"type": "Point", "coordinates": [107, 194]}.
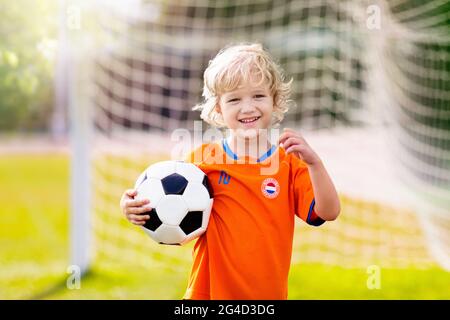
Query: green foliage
{"type": "Point", "coordinates": [28, 32]}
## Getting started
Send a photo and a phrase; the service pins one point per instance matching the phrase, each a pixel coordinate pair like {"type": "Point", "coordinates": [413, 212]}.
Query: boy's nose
{"type": "Point", "coordinates": [248, 107]}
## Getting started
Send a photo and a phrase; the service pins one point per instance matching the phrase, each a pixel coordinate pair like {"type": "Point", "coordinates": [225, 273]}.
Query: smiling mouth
{"type": "Point", "coordinates": [249, 120]}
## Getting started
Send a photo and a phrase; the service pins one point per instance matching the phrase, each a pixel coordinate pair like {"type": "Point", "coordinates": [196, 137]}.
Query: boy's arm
{"type": "Point", "coordinates": [327, 205]}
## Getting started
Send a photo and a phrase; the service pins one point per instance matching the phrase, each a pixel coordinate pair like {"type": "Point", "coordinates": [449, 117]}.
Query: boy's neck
{"type": "Point", "coordinates": [251, 147]}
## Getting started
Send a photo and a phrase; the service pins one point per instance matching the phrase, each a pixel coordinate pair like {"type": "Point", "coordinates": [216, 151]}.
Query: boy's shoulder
{"type": "Point", "coordinates": [205, 150]}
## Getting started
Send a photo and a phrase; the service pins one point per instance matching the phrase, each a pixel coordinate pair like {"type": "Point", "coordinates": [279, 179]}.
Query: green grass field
{"type": "Point", "coordinates": [34, 226]}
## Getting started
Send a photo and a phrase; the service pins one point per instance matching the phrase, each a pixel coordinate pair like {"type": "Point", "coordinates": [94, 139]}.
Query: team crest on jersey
{"type": "Point", "coordinates": [270, 188]}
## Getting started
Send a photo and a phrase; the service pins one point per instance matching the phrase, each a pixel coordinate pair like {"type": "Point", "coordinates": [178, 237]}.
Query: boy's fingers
{"type": "Point", "coordinates": [139, 223]}
{"type": "Point", "coordinates": [137, 203]}
{"type": "Point", "coordinates": [131, 192]}
{"type": "Point", "coordinates": [138, 210]}
{"type": "Point", "coordinates": [288, 136]}
{"type": "Point", "coordinates": [290, 132]}
{"type": "Point", "coordinates": [138, 217]}
{"type": "Point", "coordinates": [294, 148]}
{"type": "Point", "coordinates": [291, 141]}
{"type": "Point", "coordinates": [284, 136]}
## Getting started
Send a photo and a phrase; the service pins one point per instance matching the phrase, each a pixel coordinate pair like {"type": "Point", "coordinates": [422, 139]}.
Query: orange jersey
{"type": "Point", "coordinates": [246, 250]}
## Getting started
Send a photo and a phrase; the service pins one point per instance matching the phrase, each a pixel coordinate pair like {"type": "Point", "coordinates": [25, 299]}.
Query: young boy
{"type": "Point", "coordinates": [246, 251]}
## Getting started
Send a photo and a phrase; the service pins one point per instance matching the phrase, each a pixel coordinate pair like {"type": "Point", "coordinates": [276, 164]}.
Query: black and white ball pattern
{"type": "Point", "coordinates": [181, 199]}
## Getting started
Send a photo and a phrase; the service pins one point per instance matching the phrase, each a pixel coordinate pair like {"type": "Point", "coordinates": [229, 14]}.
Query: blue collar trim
{"type": "Point", "coordinates": [234, 156]}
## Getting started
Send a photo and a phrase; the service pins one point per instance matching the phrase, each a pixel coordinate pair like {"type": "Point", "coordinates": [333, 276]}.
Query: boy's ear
{"type": "Point", "coordinates": [217, 108]}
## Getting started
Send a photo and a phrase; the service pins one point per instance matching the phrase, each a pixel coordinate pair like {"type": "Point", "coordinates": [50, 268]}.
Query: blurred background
{"type": "Point", "coordinates": [91, 92]}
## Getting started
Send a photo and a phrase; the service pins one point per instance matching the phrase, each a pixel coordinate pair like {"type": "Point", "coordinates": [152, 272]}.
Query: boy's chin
{"type": "Point", "coordinates": [249, 134]}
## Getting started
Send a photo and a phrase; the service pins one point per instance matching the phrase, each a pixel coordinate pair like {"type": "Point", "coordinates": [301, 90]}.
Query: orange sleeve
{"type": "Point", "coordinates": [304, 194]}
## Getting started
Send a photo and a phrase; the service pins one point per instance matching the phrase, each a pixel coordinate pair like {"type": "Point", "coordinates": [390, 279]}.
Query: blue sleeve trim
{"type": "Point", "coordinates": [318, 220]}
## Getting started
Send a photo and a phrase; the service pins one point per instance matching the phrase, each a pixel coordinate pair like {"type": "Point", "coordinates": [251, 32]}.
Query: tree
{"type": "Point", "coordinates": [28, 41]}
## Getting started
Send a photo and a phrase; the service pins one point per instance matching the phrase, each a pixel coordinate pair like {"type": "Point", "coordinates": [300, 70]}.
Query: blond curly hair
{"type": "Point", "coordinates": [234, 65]}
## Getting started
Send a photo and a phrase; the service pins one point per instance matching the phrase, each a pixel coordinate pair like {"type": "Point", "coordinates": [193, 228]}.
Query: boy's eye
{"type": "Point", "coordinates": [259, 96]}
{"type": "Point", "coordinates": [233, 100]}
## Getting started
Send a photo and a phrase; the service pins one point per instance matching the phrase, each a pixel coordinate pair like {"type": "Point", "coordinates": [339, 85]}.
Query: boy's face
{"type": "Point", "coordinates": [247, 109]}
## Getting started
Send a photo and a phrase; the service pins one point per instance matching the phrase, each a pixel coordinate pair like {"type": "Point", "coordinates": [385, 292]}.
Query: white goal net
{"type": "Point", "coordinates": [371, 87]}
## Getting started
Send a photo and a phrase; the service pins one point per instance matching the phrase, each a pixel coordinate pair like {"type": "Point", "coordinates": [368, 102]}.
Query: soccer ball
{"type": "Point", "coordinates": [181, 199]}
